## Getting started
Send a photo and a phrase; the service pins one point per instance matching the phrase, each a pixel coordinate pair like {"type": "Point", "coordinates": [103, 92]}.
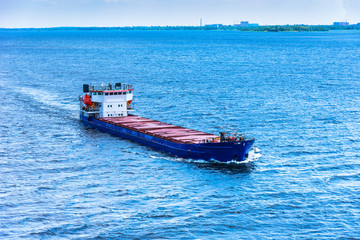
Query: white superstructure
{"type": "Point", "coordinates": [106, 100]}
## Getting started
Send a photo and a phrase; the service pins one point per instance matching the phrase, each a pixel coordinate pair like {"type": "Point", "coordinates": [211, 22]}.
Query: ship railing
{"type": "Point", "coordinates": [239, 138]}
{"type": "Point", "coordinates": [227, 137]}
{"type": "Point", "coordinates": [89, 110]}
{"type": "Point", "coordinates": [234, 137]}
{"type": "Point", "coordinates": [131, 107]}
{"type": "Point", "coordinates": [210, 140]}
{"type": "Point", "coordinates": [105, 87]}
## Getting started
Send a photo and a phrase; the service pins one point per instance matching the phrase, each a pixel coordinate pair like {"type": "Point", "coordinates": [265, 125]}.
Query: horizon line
{"type": "Point", "coordinates": [164, 26]}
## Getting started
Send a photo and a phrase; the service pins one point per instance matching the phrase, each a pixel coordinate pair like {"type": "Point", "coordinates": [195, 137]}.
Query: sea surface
{"type": "Point", "coordinates": [297, 93]}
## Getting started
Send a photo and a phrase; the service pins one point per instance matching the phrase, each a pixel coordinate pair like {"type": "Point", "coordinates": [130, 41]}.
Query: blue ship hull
{"type": "Point", "coordinates": [220, 151]}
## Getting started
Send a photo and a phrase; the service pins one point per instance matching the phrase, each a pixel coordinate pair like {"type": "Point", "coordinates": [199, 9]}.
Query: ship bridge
{"type": "Point", "coordinates": [107, 100]}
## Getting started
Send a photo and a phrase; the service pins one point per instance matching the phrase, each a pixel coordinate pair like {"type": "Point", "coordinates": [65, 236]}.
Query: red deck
{"type": "Point", "coordinates": [161, 130]}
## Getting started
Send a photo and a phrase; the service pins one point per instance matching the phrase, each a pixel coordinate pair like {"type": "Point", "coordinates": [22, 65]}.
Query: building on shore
{"type": "Point", "coordinates": [246, 24]}
{"type": "Point", "coordinates": [341, 23]}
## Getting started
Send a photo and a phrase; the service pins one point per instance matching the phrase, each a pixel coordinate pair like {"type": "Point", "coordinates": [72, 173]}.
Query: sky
{"type": "Point", "coordinates": [110, 13]}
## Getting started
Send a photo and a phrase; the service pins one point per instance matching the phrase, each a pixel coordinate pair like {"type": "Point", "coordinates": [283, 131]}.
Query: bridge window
{"type": "Point", "coordinates": [111, 93]}
{"type": "Point", "coordinates": [106, 93]}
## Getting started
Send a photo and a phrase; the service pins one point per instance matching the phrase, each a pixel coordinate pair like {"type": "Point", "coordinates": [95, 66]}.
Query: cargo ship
{"type": "Point", "coordinates": [109, 108]}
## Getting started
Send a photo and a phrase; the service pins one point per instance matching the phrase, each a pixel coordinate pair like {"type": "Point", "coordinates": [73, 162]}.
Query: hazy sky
{"type": "Point", "coordinates": [53, 13]}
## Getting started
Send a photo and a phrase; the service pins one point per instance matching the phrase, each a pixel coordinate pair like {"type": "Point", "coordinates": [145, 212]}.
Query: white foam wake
{"type": "Point", "coordinates": [254, 154]}
{"type": "Point", "coordinates": [49, 99]}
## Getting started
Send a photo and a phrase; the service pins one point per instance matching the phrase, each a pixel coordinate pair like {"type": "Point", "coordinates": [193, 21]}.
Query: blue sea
{"type": "Point", "coordinates": [297, 93]}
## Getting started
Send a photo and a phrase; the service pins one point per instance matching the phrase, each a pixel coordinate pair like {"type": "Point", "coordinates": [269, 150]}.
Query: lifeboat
{"type": "Point", "coordinates": [87, 100]}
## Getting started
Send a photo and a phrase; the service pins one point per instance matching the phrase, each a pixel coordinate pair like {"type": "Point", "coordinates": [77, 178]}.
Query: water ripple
{"type": "Point", "coordinates": [296, 93]}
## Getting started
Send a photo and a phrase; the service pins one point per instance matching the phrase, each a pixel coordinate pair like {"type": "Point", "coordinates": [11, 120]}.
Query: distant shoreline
{"type": "Point", "coordinates": [273, 28]}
